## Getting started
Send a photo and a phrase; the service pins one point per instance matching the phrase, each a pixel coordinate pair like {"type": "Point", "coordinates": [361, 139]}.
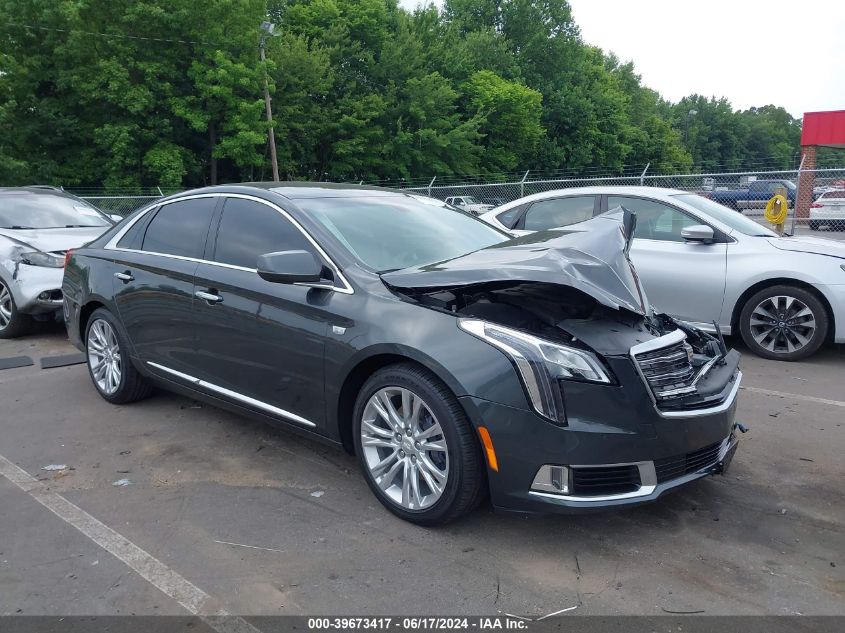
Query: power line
{"type": "Point", "coordinates": [107, 35]}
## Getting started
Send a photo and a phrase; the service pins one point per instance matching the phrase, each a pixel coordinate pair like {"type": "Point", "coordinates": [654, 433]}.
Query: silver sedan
{"type": "Point", "coordinates": [706, 264]}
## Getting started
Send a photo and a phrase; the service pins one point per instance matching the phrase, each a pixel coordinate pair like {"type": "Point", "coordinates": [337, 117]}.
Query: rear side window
{"type": "Point", "coordinates": [509, 218]}
{"type": "Point", "coordinates": [180, 228]}
{"type": "Point", "coordinates": [249, 229]}
{"type": "Point", "coordinates": [550, 214]}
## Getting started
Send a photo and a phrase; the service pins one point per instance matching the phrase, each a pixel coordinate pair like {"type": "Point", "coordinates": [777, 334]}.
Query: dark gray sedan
{"type": "Point", "coordinates": [451, 359]}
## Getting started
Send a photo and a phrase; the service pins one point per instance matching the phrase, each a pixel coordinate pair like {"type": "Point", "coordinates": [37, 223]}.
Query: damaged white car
{"type": "Point", "coordinates": [37, 227]}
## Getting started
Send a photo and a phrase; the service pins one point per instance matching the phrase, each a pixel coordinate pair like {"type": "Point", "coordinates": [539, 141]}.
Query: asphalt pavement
{"type": "Point", "coordinates": [224, 513]}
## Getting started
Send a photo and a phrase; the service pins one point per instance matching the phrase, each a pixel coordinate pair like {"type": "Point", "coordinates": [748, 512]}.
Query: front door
{"type": "Point", "coordinates": [261, 342]}
{"type": "Point", "coordinates": [154, 281]}
{"type": "Point", "coordinates": [684, 279]}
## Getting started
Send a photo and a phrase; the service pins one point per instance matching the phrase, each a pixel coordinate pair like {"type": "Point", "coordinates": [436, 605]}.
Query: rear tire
{"type": "Point", "coordinates": [784, 323]}
{"type": "Point", "coordinates": [112, 372]}
{"type": "Point", "coordinates": [814, 226]}
{"type": "Point", "coordinates": [421, 473]}
{"type": "Point", "coordinates": [13, 323]}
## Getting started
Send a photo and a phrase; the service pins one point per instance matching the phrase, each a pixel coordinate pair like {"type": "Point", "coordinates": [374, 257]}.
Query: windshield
{"type": "Point", "coordinates": [729, 217]}
{"type": "Point", "coordinates": [471, 200]}
{"type": "Point", "coordinates": [392, 232]}
{"type": "Point", "coordinates": [46, 211]}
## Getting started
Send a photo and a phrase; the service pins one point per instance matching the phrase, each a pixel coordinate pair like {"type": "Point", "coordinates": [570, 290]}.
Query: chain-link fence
{"type": "Point", "coordinates": [120, 202]}
{"type": "Point", "coordinates": [815, 197]}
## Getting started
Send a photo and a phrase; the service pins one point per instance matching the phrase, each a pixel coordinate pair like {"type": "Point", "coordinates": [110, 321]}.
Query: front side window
{"type": "Point", "coordinates": [26, 210]}
{"type": "Point", "coordinates": [249, 229]}
{"type": "Point", "coordinates": [655, 220]}
{"type": "Point", "coordinates": [551, 214]}
{"type": "Point", "coordinates": [180, 228]}
{"type": "Point", "coordinates": [729, 217]}
{"type": "Point", "coordinates": [392, 232]}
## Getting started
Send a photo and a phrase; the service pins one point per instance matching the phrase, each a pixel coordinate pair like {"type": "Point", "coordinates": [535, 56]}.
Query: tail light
{"type": "Point", "coordinates": [68, 254]}
{"type": "Point", "coordinates": [816, 205]}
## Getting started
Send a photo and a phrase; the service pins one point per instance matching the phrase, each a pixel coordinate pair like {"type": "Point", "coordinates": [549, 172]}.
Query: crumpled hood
{"type": "Point", "coordinates": [593, 262]}
{"type": "Point", "coordinates": [51, 240]}
{"type": "Point", "coordinates": [809, 244]}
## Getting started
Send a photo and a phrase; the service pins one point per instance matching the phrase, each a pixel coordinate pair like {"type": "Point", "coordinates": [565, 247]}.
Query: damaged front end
{"type": "Point", "coordinates": [563, 305]}
{"type": "Point", "coordinates": [626, 387]}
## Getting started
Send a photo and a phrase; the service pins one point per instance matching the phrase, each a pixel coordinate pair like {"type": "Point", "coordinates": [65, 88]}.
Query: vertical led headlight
{"type": "Point", "coordinates": [540, 364]}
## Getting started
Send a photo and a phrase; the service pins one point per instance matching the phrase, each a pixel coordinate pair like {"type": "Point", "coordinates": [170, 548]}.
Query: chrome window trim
{"type": "Point", "coordinates": [234, 395]}
{"type": "Point", "coordinates": [346, 288]}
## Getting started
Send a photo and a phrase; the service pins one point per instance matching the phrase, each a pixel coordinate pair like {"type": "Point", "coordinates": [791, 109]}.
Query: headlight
{"type": "Point", "coordinates": [47, 260]}
{"type": "Point", "coordinates": [540, 364]}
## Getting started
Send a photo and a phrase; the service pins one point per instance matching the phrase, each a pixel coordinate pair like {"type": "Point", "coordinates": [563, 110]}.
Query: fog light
{"type": "Point", "coordinates": [553, 479]}
{"type": "Point", "coordinates": [44, 296]}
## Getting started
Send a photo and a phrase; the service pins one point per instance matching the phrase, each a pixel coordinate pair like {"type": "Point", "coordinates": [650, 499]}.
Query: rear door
{"type": "Point", "coordinates": [153, 282]}
{"type": "Point", "coordinates": [261, 343]}
{"type": "Point", "coordinates": [684, 279]}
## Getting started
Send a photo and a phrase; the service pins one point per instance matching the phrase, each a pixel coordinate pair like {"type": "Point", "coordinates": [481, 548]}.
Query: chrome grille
{"type": "Point", "coordinates": [668, 370]}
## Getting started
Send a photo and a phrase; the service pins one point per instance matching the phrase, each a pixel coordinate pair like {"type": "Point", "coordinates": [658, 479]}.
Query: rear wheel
{"type": "Point", "coordinates": [12, 322]}
{"type": "Point", "coordinates": [784, 323]}
{"type": "Point", "coordinates": [111, 370]}
{"type": "Point", "coordinates": [814, 226]}
{"type": "Point", "coordinates": [418, 451]}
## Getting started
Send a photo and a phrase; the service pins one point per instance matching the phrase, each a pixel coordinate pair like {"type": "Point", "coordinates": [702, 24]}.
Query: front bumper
{"type": "Point", "coordinates": [608, 427]}
{"type": "Point", "coordinates": [36, 289]}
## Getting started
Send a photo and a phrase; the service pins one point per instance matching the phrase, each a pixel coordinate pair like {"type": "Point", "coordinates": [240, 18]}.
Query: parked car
{"type": "Point", "coordinates": [754, 196]}
{"type": "Point", "coordinates": [37, 226]}
{"type": "Point", "coordinates": [703, 263]}
{"type": "Point", "coordinates": [469, 203]}
{"type": "Point", "coordinates": [449, 358]}
{"type": "Point", "coordinates": [828, 210]}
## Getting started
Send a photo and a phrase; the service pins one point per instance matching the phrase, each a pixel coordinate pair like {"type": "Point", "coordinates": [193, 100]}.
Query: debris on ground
{"type": "Point", "coordinates": [55, 467]}
{"type": "Point", "coordinates": [125, 452]}
{"type": "Point", "coordinates": [542, 617]}
{"type": "Point", "coordinates": [121, 483]}
{"type": "Point", "coordinates": [318, 493]}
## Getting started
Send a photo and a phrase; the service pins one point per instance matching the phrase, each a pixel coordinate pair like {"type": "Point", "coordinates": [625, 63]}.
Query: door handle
{"type": "Point", "coordinates": [208, 296]}
{"type": "Point", "coordinates": [125, 277]}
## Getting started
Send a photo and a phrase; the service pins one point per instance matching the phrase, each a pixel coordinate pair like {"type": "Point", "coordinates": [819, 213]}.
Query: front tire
{"type": "Point", "coordinates": [13, 323]}
{"type": "Point", "coordinates": [417, 450]}
{"type": "Point", "coordinates": [784, 323]}
{"type": "Point", "coordinates": [111, 370]}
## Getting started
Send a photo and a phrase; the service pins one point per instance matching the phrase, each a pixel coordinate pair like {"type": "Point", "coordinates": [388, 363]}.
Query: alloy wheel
{"type": "Point", "coordinates": [5, 306]}
{"type": "Point", "coordinates": [404, 448]}
{"type": "Point", "coordinates": [782, 324]}
{"type": "Point", "coordinates": [104, 357]}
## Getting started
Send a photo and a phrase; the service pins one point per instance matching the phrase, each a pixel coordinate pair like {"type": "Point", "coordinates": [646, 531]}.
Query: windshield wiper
{"type": "Point", "coordinates": [17, 227]}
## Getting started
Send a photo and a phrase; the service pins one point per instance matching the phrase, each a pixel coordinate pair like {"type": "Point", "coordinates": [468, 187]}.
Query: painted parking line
{"type": "Point", "coordinates": [192, 598]}
{"type": "Point", "coordinates": [795, 396]}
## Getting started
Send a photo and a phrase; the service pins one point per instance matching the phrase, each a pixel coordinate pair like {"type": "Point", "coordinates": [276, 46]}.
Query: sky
{"type": "Point", "coordinates": [754, 52]}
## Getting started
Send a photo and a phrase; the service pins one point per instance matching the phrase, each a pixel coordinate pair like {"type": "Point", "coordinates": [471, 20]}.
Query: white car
{"type": "Point", "coordinates": [469, 203]}
{"type": "Point", "coordinates": [828, 210]}
{"type": "Point", "coordinates": [705, 263]}
{"type": "Point", "coordinates": [37, 227]}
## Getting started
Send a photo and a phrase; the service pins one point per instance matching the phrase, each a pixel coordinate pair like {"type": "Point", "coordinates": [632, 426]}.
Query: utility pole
{"type": "Point", "coordinates": [267, 28]}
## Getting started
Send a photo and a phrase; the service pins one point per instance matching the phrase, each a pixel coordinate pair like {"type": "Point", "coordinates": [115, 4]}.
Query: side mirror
{"type": "Point", "coordinates": [116, 218]}
{"type": "Point", "coordinates": [698, 233]}
{"type": "Point", "coordinates": [290, 267]}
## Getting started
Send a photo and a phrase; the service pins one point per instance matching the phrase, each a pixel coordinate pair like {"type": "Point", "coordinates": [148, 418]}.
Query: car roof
{"type": "Point", "coordinates": [42, 190]}
{"type": "Point", "coordinates": [619, 190]}
{"type": "Point", "coordinates": [301, 190]}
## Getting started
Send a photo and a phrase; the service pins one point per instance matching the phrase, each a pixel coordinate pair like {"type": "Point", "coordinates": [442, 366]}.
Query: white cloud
{"type": "Point", "coordinates": [754, 52]}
